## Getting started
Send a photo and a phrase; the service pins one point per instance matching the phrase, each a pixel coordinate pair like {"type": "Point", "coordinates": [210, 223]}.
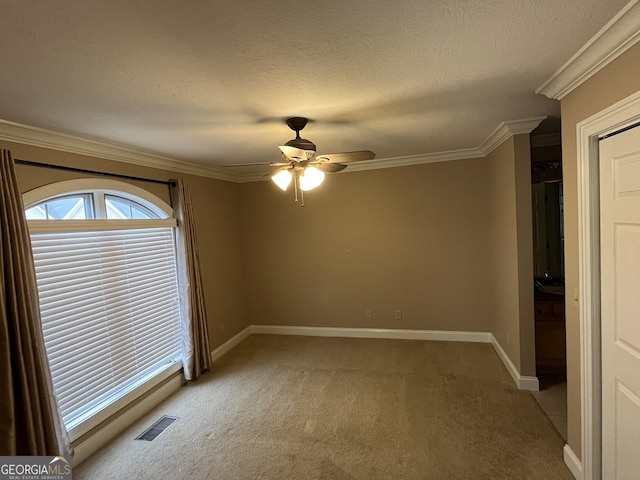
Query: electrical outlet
{"type": "Point", "coordinates": [398, 314]}
{"type": "Point", "coordinates": [368, 313]}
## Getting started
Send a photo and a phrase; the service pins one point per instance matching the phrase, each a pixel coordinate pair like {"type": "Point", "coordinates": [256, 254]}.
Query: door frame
{"type": "Point", "coordinates": [616, 117]}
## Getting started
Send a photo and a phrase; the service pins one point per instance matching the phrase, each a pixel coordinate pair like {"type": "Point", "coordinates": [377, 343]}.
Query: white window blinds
{"type": "Point", "coordinates": [109, 311]}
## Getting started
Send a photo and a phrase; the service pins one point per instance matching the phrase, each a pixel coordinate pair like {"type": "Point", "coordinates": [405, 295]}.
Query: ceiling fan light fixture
{"type": "Point", "coordinates": [299, 158]}
{"type": "Point", "coordinates": [282, 179]}
{"type": "Point", "coordinates": [310, 178]}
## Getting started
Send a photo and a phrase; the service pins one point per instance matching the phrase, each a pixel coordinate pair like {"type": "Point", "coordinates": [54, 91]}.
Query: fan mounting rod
{"type": "Point", "coordinates": [296, 124]}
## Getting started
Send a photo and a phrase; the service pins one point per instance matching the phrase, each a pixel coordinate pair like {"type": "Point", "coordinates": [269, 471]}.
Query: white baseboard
{"type": "Point", "coordinates": [118, 424]}
{"type": "Point", "coordinates": [397, 334]}
{"type": "Point", "coordinates": [523, 382]}
{"type": "Point", "coordinates": [229, 344]}
{"type": "Point", "coordinates": [572, 462]}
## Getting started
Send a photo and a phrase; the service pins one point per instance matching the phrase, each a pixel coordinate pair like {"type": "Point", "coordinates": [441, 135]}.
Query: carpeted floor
{"type": "Point", "coordinates": [280, 407]}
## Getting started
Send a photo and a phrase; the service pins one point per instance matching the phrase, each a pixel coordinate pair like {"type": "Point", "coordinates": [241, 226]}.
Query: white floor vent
{"type": "Point", "coordinates": [151, 433]}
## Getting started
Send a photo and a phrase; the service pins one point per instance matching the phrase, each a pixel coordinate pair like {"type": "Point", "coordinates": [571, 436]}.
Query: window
{"type": "Point", "coordinates": [121, 208]}
{"type": "Point", "coordinates": [107, 285]}
{"type": "Point", "coordinates": [67, 207]}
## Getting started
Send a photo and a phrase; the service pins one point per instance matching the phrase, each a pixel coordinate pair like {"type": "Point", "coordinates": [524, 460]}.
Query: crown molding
{"type": "Point", "coordinates": [504, 131]}
{"type": "Point", "coordinates": [409, 160]}
{"type": "Point", "coordinates": [615, 38]}
{"type": "Point", "coordinates": [40, 137]}
{"type": "Point", "coordinates": [251, 177]}
{"type": "Point", "coordinates": [507, 130]}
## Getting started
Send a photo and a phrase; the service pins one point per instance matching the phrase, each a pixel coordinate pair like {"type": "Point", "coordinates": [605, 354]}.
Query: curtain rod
{"type": "Point", "coordinates": [92, 172]}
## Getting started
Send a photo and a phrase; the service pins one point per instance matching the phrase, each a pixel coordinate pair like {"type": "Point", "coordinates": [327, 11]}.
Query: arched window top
{"type": "Point", "coordinates": [93, 199]}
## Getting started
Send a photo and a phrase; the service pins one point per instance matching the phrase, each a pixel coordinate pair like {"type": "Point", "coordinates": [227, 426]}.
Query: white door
{"type": "Point", "coordinates": [620, 290]}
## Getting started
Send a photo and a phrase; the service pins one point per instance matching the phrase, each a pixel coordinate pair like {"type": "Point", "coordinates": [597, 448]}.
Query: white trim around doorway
{"type": "Point", "coordinates": [616, 117]}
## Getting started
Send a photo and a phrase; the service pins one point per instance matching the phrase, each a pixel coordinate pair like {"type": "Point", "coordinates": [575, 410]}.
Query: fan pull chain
{"type": "Point", "coordinates": [295, 185]}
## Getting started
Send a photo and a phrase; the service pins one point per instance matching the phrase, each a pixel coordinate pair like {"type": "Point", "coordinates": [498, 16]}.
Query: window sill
{"type": "Point", "coordinates": [137, 391]}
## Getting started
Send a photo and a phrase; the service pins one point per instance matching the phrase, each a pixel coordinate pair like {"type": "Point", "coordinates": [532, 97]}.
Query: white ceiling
{"type": "Point", "coordinates": [208, 82]}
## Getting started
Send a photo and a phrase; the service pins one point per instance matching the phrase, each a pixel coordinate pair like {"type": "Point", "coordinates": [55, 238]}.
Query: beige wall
{"type": "Point", "coordinates": [511, 251]}
{"type": "Point", "coordinates": [411, 238]}
{"type": "Point", "coordinates": [216, 210]}
{"type": "Point", "coordinates": [448, 243]}
{"type": "Point", "coordinates": [615, 82]}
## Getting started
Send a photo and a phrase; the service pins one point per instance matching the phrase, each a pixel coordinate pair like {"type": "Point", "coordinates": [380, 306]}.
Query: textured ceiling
{"type": "Point", "coordinates": [208, 82]}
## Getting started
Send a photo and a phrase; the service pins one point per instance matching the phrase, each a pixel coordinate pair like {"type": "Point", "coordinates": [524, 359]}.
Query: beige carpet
{"type": "Point", "coordinates": [279, 407]}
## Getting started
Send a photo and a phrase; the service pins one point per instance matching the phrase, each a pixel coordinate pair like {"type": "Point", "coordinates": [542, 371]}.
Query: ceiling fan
{"type": "Point", "coordinates": [302, 165]}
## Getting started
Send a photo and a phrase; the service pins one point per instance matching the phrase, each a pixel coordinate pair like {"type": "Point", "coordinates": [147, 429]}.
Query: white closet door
{"type": "Point", "coordinates": [620, 290]}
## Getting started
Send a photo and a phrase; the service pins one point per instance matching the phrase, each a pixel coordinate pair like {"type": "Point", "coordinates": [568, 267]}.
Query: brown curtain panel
{"type": "Point", "coordinates": [195, 333]}
{"type": "Point", "coordinates": [30, 422]}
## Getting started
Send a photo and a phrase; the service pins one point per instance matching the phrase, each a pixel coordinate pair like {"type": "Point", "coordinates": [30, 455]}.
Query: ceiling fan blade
{"type": "Point", "coordinates": [329, 167]}
{"type": "Point", "coordinates": [345, 157]}
{"type": "Point", "coordinates": [294, 153]}
{"type": "Point", "coordinates": [260, 164]}
{"type": "Point", "coordinates": [247, 164]}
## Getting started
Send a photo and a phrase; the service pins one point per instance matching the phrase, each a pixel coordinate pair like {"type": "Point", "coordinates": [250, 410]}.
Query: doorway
{"type": "Point", "coordinates": [549, 293]}
{"type": "Point", "coordinates": [595, 457]}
